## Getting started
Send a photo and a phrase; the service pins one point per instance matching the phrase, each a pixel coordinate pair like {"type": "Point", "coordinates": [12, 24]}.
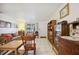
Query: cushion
{"type": "Point", "coordinates": [7, 36]}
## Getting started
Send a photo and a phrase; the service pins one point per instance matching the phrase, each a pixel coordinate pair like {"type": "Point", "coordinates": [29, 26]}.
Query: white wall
{"type": "Point", "coordinates": [73, 14]}
{"type": "Point", "coordinates": [43, 28]}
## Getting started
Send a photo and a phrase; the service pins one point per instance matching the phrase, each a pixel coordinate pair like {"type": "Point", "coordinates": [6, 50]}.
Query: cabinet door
{"type": "Point", "coordinates": [65, 47]}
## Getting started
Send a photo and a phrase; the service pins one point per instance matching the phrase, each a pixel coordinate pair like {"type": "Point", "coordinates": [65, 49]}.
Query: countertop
{"type": "Point", "coordinates": [73, 38]}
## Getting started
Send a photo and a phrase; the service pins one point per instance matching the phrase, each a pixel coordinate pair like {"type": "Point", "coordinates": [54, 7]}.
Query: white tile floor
{"type": "Point", "coordinates": [43, 47]}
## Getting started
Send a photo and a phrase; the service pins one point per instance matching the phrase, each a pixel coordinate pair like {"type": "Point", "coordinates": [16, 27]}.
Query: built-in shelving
{"type": "Point", "coordinates": [51, 29]}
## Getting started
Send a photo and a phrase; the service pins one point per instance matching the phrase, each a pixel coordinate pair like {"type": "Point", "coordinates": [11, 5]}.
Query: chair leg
{"type": "Point", "coordinates": [35, 51]}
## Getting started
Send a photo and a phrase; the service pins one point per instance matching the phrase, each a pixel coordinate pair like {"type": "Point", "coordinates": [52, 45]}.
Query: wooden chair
{"type": "Point", "coordinates": [29, 43]}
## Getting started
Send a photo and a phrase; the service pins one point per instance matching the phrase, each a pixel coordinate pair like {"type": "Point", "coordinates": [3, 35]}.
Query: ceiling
{"type": "Point", "coordinates": [31, 12]}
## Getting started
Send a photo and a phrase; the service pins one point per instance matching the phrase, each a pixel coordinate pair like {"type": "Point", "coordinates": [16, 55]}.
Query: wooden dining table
{"type": "Point", "coordinates": [13, 45]}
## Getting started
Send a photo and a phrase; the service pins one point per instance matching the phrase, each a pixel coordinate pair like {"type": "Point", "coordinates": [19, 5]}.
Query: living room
{"type": "Point", "coordinates": [41, 20]}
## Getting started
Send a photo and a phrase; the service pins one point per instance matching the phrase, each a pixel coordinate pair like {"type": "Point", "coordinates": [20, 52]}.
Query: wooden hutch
{"type": "Point", "coordinates": [51, 31]}
{"type": "Point", "coordinates": [61, 29]}
{"type": "Point", "coordinates": [65, 44]}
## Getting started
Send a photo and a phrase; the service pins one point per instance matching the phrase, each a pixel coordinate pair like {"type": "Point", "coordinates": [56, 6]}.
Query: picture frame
{"type": "Point", "coordinates": [64, 11]}
{"type": "Point", "coordinates": [4, 24]}
{"type": "Point", "coordinates": [8, 25]}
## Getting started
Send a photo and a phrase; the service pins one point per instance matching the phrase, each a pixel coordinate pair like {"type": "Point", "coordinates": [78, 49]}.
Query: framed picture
{"type": "Point", "coordinates": [8, 25]}
{"type": "Point", "coordinates": [64, 11]}
{"type": "Point", "coordinates": [4, 24]}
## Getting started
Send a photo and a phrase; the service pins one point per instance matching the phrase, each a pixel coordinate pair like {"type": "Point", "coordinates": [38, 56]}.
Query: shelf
{"type": "Point", "coordinates": [51, 31]}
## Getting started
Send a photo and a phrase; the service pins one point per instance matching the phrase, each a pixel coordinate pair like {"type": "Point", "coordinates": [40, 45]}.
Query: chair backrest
{"type": "Point", "coordinates": [28, 37]}
{"type": "Point", "coordinates": [29, 42]}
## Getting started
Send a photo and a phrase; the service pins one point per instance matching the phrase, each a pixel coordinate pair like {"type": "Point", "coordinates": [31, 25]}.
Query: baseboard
{"type": "Point", "coordinates": [42, 36]}
{"type": "Point", "coordinates": [55, 50]}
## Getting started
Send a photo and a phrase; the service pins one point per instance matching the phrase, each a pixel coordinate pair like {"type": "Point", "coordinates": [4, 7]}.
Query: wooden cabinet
{"type": "Point", "coordinates": [51, 31]}
{"type": "Point", "coordinates": [61, 29]}
{"type": "Point", "coordinates": [68, 47]}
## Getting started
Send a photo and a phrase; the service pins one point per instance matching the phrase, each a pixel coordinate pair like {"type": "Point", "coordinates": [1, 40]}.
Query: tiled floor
{"type": "Point", "coordinates": [43, 47]}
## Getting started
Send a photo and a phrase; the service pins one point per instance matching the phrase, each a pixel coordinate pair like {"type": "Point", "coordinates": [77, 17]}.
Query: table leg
{"type": "Point", "coordinates": [16, 52]}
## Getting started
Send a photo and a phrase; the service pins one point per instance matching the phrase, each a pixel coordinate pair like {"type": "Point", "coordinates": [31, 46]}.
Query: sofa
{"type": "Point", "coordinates": [5, 38]}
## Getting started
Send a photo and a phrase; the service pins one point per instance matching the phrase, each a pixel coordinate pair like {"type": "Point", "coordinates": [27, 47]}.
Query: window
{"type": "Point", "coordinates": [30, 27]}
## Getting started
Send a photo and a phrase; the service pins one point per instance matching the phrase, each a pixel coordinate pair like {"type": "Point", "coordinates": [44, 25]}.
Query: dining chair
{"type": "Point", "coordinates": [29, 42]}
